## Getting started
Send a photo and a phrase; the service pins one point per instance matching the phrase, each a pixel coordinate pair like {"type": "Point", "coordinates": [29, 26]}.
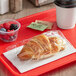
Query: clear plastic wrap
{"type": "Point", "coordinates": [53, 33]}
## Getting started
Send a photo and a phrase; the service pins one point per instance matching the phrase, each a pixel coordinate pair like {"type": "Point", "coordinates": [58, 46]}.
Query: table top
{"type": "Point", "coordinates": [67, 70]}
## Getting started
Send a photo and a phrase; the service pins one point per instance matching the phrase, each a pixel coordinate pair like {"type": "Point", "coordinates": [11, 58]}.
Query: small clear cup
{"type": "Point", "coordinates": [12, 35]}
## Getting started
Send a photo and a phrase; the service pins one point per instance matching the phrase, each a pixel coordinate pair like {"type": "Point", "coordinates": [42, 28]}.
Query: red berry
{"type": "Point", "coordinates": [8, 30]}
{"type": "Point", "coordinates": [11, 32]}
{"type": "Point", "coordinates": [1, 26]}
{"type": "Point", "coordinates": [6, 26]}
{"type": "Point", "coordinates": [7, 37]}
{"type": "Point", "coordinates": [0, 36]}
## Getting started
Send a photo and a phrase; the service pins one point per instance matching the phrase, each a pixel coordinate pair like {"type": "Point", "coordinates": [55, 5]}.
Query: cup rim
{"type": "Point", "coordinates": [66, 4]}
{"type": "Point", "coordinates": [13, 21]}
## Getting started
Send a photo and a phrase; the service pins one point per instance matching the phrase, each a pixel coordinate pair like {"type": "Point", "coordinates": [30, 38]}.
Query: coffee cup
{"type": "Point", "coordinates": [66, 13]}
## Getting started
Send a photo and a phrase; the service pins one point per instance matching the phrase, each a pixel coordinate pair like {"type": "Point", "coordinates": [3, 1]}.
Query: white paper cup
{"type": "Point", "coordinates": [66, 17]}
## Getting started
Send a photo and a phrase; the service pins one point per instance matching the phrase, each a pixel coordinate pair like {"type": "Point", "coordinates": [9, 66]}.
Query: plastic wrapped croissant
{"type": "Point", "coordinates": [41, 46]}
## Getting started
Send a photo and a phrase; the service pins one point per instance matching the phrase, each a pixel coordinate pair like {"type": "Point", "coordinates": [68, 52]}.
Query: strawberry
{"type": "Point", "coordinates": [0, 36]}
{"type": "Point", "coordinates": [1, 26]}
{"type": "Point", "coordinates": [11, 32]}
{"type": "Point", "coordinates": [6, 37]}
{"type": "Point", "coordinates": [6, 26]}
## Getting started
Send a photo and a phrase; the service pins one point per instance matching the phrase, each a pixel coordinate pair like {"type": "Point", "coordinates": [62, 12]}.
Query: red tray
{"type": "Point", "coordinates": [25, 33]}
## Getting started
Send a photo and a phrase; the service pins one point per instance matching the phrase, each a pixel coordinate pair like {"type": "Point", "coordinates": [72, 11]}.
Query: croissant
{"type": "Point", "coordinates": [40, 47]}
{"type": "Point", "coordinates": [57, 44]}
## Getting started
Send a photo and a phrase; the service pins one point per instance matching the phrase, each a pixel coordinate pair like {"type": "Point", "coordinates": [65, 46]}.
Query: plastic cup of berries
{"type": "Point", "coordinates": [9, 29]}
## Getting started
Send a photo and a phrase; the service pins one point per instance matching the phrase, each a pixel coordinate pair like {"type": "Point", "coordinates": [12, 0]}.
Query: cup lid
{"type": "Point", "coordinates": [66, 3]}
